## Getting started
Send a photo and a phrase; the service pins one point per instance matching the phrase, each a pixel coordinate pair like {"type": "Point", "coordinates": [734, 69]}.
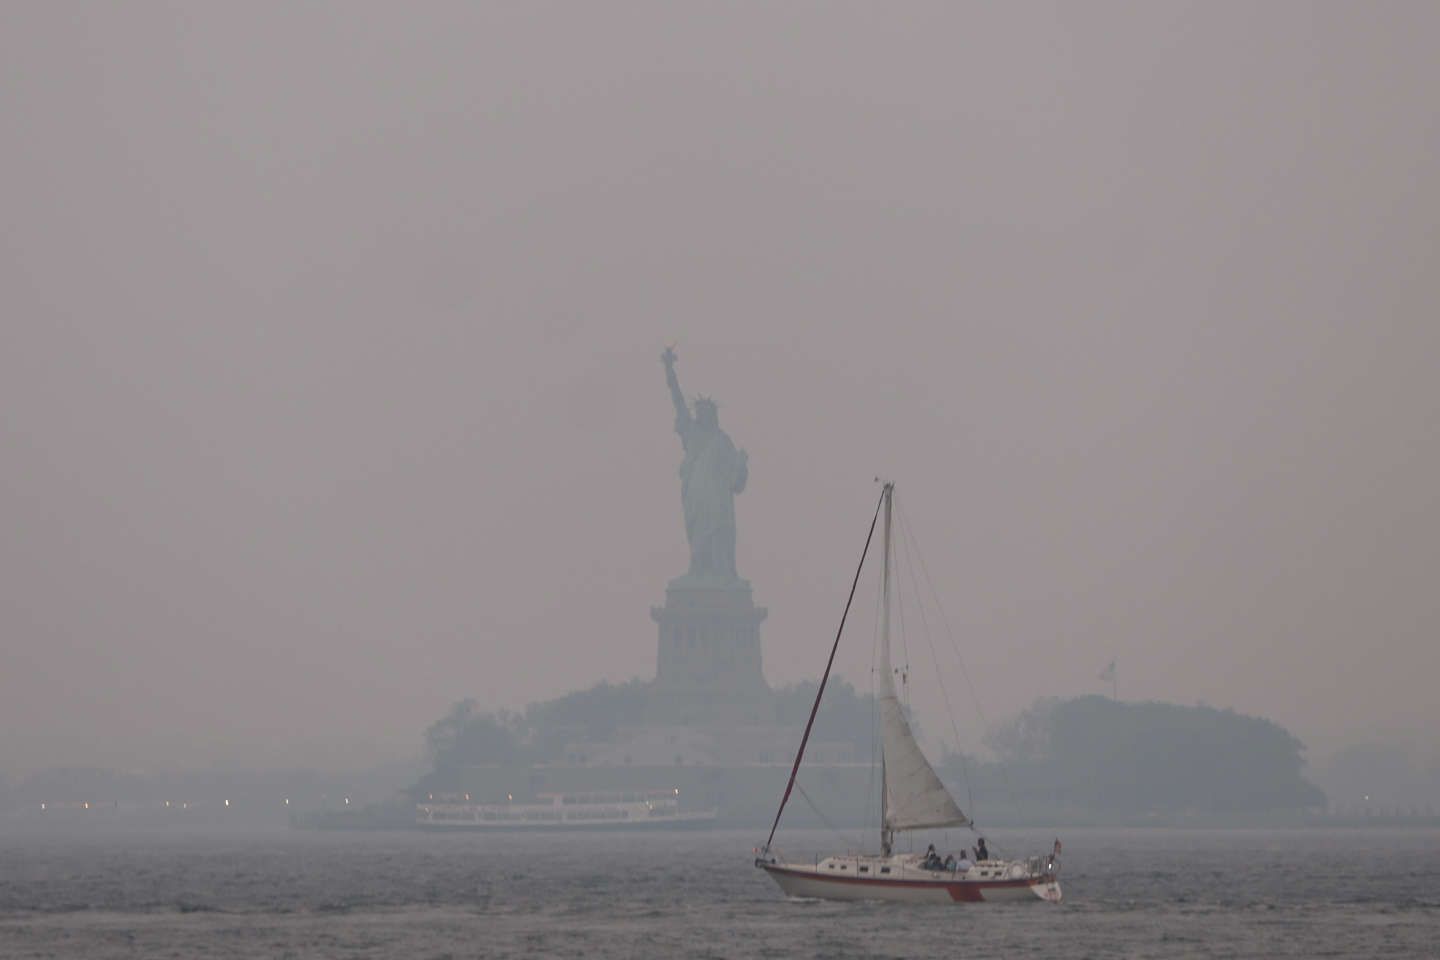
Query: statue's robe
{"type": "Point", "coordinates": [712, 472]}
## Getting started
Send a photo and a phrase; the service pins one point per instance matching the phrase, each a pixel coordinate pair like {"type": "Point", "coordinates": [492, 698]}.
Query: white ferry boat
{"type": "Point", "coordinates": [622, 810]}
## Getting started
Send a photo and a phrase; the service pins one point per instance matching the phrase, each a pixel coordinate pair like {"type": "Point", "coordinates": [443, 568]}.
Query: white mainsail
{"type": "Point", "coordinates": [914, 796]}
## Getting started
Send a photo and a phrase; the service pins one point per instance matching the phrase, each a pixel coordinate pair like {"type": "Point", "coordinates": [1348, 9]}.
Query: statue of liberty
{"type": "Point", "coordinates": [712, 472]}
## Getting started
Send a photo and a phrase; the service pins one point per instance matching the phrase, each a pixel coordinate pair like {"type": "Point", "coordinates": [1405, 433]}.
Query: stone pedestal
{"type": "Point", "coordinates": [709, 666]}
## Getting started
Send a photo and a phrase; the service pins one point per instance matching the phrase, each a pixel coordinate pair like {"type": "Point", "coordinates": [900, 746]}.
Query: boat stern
{"type": "Point", "coordinates": [1049, 891]}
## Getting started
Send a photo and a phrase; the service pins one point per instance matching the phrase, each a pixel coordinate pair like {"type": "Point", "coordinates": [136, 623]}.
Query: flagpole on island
{"type": "Point", "coordinates": [1109, 674]}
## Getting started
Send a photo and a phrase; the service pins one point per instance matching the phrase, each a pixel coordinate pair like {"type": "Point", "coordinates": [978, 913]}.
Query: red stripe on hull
{"type": "Point", "coordinates": [964, 896]}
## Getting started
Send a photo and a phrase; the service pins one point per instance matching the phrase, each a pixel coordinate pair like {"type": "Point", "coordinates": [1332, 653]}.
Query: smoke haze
{"type": "Point", "coordinates": [330, 388]}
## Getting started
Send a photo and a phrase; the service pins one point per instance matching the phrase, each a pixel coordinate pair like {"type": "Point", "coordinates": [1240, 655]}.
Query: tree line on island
{"type": "Point", "coordinates": [1131, 759]}
{"type": "Point", "coordinates": [1084, 754]}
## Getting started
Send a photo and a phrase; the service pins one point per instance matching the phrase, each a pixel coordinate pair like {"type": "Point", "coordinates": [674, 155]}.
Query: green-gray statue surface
{"type": "Point", "coordinates": [712, 472]}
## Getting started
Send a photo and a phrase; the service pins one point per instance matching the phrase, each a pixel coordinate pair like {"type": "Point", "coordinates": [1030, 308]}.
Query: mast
{"type": "Point", "coordinates": [886, 834]}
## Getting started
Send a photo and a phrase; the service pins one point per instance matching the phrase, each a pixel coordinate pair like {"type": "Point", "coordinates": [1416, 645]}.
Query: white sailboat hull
{"type": "Point", "coordinates": [985, 883]}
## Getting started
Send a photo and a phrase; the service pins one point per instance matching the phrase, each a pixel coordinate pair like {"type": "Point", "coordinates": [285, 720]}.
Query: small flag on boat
{"type": "Point", "coordinates": [1056, 851]}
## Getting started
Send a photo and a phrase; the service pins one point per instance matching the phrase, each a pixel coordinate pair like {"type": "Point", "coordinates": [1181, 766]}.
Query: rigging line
{"type": "Point", "coordinates": [853, 841]}
{"type": "Point", "coordinates": [913, 543]}
{"type": "Point", "coordinates": [825, 678]}
{"type": "Point", "coordinates": [907, 538]}
{"type": "Point", "coordinates": [900, 618]}
{"type": "Point", "coordinates": [960, 657]}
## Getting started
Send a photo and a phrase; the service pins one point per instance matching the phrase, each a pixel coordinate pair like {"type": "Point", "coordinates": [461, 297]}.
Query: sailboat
{"type": "Point", "coordinates": [911, 798]}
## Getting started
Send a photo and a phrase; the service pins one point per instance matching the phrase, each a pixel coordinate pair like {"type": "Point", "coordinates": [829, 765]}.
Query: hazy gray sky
{"type": "Point", "coordinates": [329, 377]}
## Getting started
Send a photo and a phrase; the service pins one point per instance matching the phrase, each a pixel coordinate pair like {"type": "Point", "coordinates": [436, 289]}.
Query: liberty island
{"type": "Point", "coordinates": [709, 725]}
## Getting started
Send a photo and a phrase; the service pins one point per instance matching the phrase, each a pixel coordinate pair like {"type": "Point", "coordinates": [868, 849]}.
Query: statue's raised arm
{"type": "Point", "coordinates": [682, 409]}
{"type": "Point", "coordinates": [712, 472]}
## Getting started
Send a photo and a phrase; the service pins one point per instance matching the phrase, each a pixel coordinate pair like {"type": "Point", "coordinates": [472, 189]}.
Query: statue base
{"type": "Point", "coordinates": [709, 668]}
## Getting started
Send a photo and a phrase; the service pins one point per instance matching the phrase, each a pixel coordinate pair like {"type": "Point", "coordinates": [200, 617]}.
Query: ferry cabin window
{"type": "Point", "coordinates": [864, 869]}
{"type": "Point", "coordinates": [884, 869]}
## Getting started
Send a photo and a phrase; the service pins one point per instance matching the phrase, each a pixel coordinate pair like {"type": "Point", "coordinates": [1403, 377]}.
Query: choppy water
{"type": "Point", "coordinates": [1141, 893]}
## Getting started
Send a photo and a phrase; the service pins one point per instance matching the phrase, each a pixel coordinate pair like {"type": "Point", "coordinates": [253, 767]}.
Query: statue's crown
{"type": "Point", "coordinates": [703, 401]}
